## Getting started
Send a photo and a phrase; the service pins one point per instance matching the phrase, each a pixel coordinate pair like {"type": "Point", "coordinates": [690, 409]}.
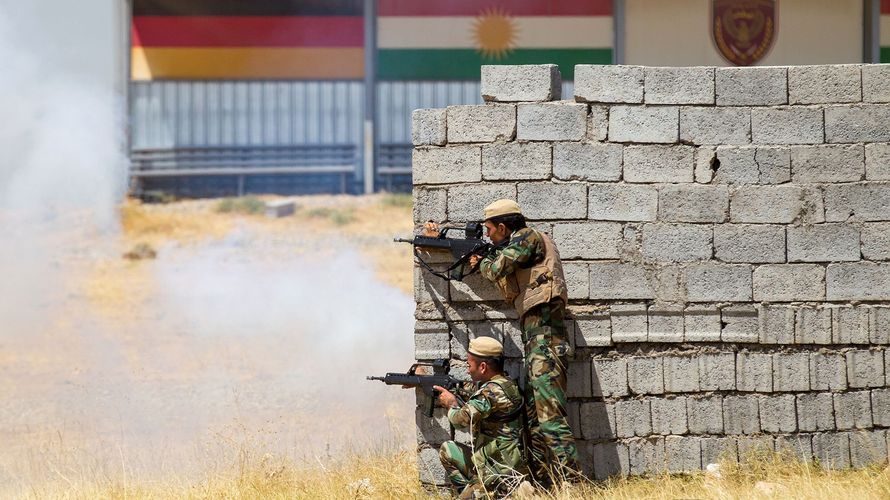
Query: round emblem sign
{"type": "Point", "coordinates": [743, 30]}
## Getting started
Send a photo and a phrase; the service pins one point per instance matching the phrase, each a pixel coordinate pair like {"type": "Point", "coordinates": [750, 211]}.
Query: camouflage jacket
{"type": "Point", "coordinates": [524, 249]}
{"type": "Point", "coordinates": [491, 413]}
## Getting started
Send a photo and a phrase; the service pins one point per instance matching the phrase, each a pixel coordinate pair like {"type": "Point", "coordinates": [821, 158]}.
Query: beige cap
{"type": "Point", "coordinates": [501, 207]}
{"type": "Point", "coordinates": [486, 347]}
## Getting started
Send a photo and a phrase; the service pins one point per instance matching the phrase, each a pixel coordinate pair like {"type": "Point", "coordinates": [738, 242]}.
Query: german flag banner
{"type": "Point", "coordinates": [885, 31]}
{"type": "Point", "coordinates": [247, 39]}
{"type": "Point", "coordinates": [451, 39]}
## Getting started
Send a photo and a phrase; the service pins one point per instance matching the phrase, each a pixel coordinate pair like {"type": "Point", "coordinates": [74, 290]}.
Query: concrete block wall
{"type": "Point", "coordinates": [726, 240]}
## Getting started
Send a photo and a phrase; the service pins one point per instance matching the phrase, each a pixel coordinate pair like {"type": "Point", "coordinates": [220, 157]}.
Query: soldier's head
{"type": "Point", "coordinates": [502, 217]}
{"type": "Point", "coordinates": [485, 358]}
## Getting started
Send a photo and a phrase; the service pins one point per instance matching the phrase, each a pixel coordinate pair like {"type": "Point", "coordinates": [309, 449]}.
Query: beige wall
{"type": "Point", "coordinates": [678, 33]}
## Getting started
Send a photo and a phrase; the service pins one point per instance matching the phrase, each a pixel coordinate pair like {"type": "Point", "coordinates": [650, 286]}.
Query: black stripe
{"type": "Point", "coordinates": [247, 7]}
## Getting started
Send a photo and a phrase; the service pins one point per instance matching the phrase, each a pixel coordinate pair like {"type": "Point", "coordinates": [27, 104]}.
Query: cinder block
{"type": "Point", "coordinates": [665, 324]}
{"type": "Point", "coordinates": [824, 84]}
{"type": "Point", "coordinates": [880, 406]}
{"type": "Point", "coordinates": [432, 430]}
{"type": "Point", "coordinates": [879, 325]}
{"type": "Point", "coordinates": [668, 415]}
{"type": "Point", "coordinates": [659, 164]}
{"type": "Point", "coordinates": [644, 124]}
{"type": "Point", "coordinates": [620, 281]}
{"type": "Point", "coordinates": [828, 163]}
{"type": "Point", "coordinates": [787, 125]}
{"type": "Point", "coordinates": [574, 420]}
{"type": "Point", "coordinates": [647, 456]}
{"type": "Point", "coordinates": [610, 459]}
{"type": "Point", "coordinates": [797, 446]}
{"type": "Point", "coordinates": [481, 123]}
{"type": "Point", "coordinates": [856, 123]}
{"type": "Point", "coordinates": [430, 467]}
{"type": "Point", "coordinates": [578, 379]}
{"type": "Point", "coordinates": [446, 165]}
{"type": "Point", "coordinates": [544, 200]}
{"type": "Point", "coordinates": [669, 284]}
{"type": "Point", "coordinates": [823, 243]}
{"type": "Point", "coordinates": [680, 374]}
{"type": "Point", "coordinates": [741, 415]}
{"type": "Point", "coordinates": [594, 330]}
{"type": "Point", "coordinates": [705, 414]}
{"type": "Point", "coordinates": [706, 164]}
{"type": "Point", "coordinates": [753, 165]}
{"type": "Point", "coordinates": [852, 410]}
{"type": "Point", "coordinates": [632, 418]}
{"type": "Point", "coordinates": [702, 324]}
{"type": "Point", "coordinates": [629, 322]}
{"type": "Point", "coordinates": [679, 85]}
{"type": "Point", "coordinates": [430, 204]}
{"type": "Point", "coordinates": [577, 276]}
{"type": "Point", "coordinates": [752, 86]}
{"type": "Point", "coordinates": [716, 371]}
{"type": "Point", "coordinates": [683, 454]}
{"type": "Point", "coordinates": [429, 343]}
{"type": "Point", "coordinates": [646, 375]}
{"type": "Point", "coordinates": [677, 242]}
{"type": "Point", "coordinates": [777, 414]}
{"type": "Point", "coordinates": [815, 412]}
{"type": "Point", "coordinates": [429, 288]}
{"type": "Point", "coordinates": [709, 282]}
{"type": "Point", "coordinates": [516, 161]}
{"type": "Point", "coordinates": [769, 205]}
{"type": "Point", "coordinates": [754, 448]}
{"type": "Point", "coordinates": [875, 83]}
{"type": "Point", "coordinates": [754, 372]}
{"type": "Point", "coordinates": [813, 325]}
{"type": "Point", "coordinates": [876, 241]}
{"type": "Point", "coordinates": [693, 203]}
{"type": "Point", "coordinates": [877, 162]}
{"type": "Point", "coordinates": [622, 202]}
{"type": "Point", "coordinates": [587, 162]}
{"type": "Point", "coordinates": [858, 281]}
{"type": "Point", "coordinates": [587, 240]}
{"type": "Point", "coordinates": [598, 421]}
{"type": "Point", "coordinates": [754, 243]}
{"type": "Point", "coordinates": [789, 282]}
{"type": "Point", "coordinates": [428, 127]}
{"type": "Point", "coordinates": [715, 125]}
{"type": "Point", "coordinates": [719, 449]}
{"type": "Point", "coordinates": [609, 377]}
{"type": "Point", "coordinates": [865, 368]}
{"type": "Point", "coordinates": [473, 288]}
{"type": "Point", "coordinates": [514, 347]}
{"type": "Point", "coordinates": [598, 123]}
{"type": "Point", "coordinates": [866, 202]}
{"type": "Point", "coordinates": [832, 449]}
{"type": "Point", "coordinates": [466, 202]}
{"type": "Point", "coordinates": [557, 121]}
{"type": "Point", "coordinates": [518, 83]}
{"type": "Point", "coordinates": [868, 448]}
{"type": "Point", "coordinates": [739, 324]}
{"type": "Point", "coordinates": [850, 325]}
{"type": "Point", "coordinates": [776, 324]}
{"type": "Point", "coordinates": [607, 83]}
{"type": "Point", "coordinates": [791, 371]}
{"type": "Point", "coordinates": [828, 371]}
{"type": "Point", "coordinates": [427, 311]}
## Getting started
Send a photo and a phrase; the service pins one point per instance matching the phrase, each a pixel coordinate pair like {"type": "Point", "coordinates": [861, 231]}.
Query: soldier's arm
{"type": "Point", "coordinates": [505, 262]}
{"type": "Point", "coordinates": [473, 412]}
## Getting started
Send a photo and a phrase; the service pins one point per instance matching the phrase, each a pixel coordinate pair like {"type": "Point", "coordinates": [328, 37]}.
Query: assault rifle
{"type": "Point", "coordinates": [461, 248]}
{"type": "Point", "coordinates": [439, 377]}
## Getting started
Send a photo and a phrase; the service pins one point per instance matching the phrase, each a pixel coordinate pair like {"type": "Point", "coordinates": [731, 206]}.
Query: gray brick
{"type": "Point", "coordinates": [739, 324]}
{"type": "Point", "coordinates": [777, 414]}
{"type": "Point", "coordinates": [719, 449]}
{"type": "Point", "coordinates": [789, 282]}
{"type": "Point", "coordinates": [791, 371]}
{"type": "Point", "coordinates": [850, 325]}
{"type": "Point", "coordinates": [467, 201]}
{"type": "Point", "coordinates": [857, 123]}
{"type": "Point", "coordinates": [702, 324]}
{"type": "Point", "coordinates": [715, 125]}
{"type": "Point", "coordinates": [669, 284]}
{"type": "Point", "coordinates": [824, 84]}
{"type": "Point", "coordinates": [755, 448]}
{"type": "Point", "coordinates": [868, 448]}
{"type": "Point", "coordinates": [428, 127]}
{"type": "Point", "coordinates": [430, 204]}
{"type": "Point", "coordinates": [428, 288]}
{"type": "Point", "coordinates": [445, 165]}
{"type": "Point", "coordinates": [587, 240]}
{"type": "Point", "coordinates": [578, 379]}
{"type": "Point", "coordinates": [593, 331]}
{"type": "Point", "coordinates": [481, 123]}
{"type": "Point", "coordinates": [622, 202]}
{"type": "Point", "coordinates": [430, 467]}
{"type": "Point", "coordinates": [880, 405]}
{"type": "Point", "coordinates": [828, 163]}
{"type": "Point", "coordinates": [879, 325]}
{"type": "Point", "coordinates": [606, 83]}
{"type": "Point", "coordinates": [709, 282]}
{"type": "Point", "coordinates": [753, 86]}
{"type": "Point", "coordinates": [609, 377]}
{"type": "Point", "coordinates": [587, 162]}
{"type": "Point", "coordinates": [832, 449]}
{"type": "Point", "coordinates": [754, 372]}
{"type": "Point", "coordinates": [620, 281]}
{"type": "Point", "coordinates": [828, 371]}
{"type": "Point", "coordinates": [684, 85]}
{"type": "Point", "coordinates": [683, 454]}
{"type": "Point", "coordinates": [516, 161]}
{"type": "Point", "coordinates": [574, 420]}
{"type": "Point", "coordinates": [771, 204]}
{"type": "Point", "coordinates": [740, 415]}
{"type": "Point", "coordinates": [776, 324]}
{"type": "Point", "coordinates": [858, 281]}
{"type": "Point", "coordinates": [645, 375]}
{"type": "Point", "coordinates": [647, 456]}
{"type": "Point", "coordinates": [432, 345]}
{"type": "Point", "coordinates": [852, 410]}
{"type": "Point", "coordinates": [753, 165]}
{"type": "Point", "coordinates": [716, 371]}
{"type": "Point", "coordinates": [659, 164]}
{"type": "Point", "coordinates": [610, 459]}
{"type": "Point", "coordinates": [544, 200]}
{"type": "Point", "coordinates": [706, 164]}
{"type": "Point", "coordinates": [577, 276]}
{"type": "Point", "coordinates": [473, 288]}
{"type": "Point", "coordinates": [668, 415]}
{"type": "Point", "coordinates": [865, 368]}
{"type": "Point", "coordinates": [677, 242]}
{"type": "Point", "coordinates": [693, 203]}
{"type": "Point", "coordinates": [680, 374]}
{"type": "Point", "coordinates": [705, 414]}
{"type": "Point", "coordinates": [514, 347]}
{"type": "Point", "coordinates": [629, 322]}
{"type": "Point", "coordinates": [632, 418]}
{"type": "Point", "coordinates": [865, 202]}
{"type": "Point", "coordinates": [525, 82]}
{"type": "Point", "coordinates": [755, 243]}
{"type": "Point", "coordinates": [877, 162]}
{"type": "Point", "coordinates": [644, 124]}
{"type": "Point", "coordinates": [830, 242]}
{"type": "Point", "coordinates": [432, 430]}
{"type": "Point", "coordinates": [875, 83]}
{"type": "Point", "coordinates": [875, 238]}
{"type": "Point", "coordinates": [665, 324]}
{"type": "Point", "coordinates": [813, 325]}
{"type": "Point", "coordinates": [798, 446]}
{"type": "Point", "coordinates": [787, 125]}
{"type": "Point", "coordinates": [558, 121]}
{"type": "Point", "coordinates": [598, 123]}
{"type": "Point", "coordinates": [815, 412]}
{"type": "Point", "coordinates": [598, 421]}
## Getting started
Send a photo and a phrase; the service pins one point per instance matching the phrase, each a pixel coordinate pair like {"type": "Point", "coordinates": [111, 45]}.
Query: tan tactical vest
{"type": "Point", "coordinates": [539, 284]}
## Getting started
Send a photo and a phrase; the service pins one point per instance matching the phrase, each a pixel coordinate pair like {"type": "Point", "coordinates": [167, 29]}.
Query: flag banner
{"type": "Point", "coordinates": [885, 31]}
{"type": "Point", "coordinates": [451, 40]}
{"type": "Point", "coordinates": [257, 39]}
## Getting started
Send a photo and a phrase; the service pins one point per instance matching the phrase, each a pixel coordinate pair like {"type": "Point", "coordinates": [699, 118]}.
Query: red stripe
{"type": "Point", "coordinates": [885, 6]}
{"type": "Point", "coordinates": [513, 7]}
{"type": "Point", "coordinates": [248, 31]}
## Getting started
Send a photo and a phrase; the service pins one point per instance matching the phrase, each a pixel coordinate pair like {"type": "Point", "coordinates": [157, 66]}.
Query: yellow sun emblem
{"type": "Point", "coordinates": [494, 33]}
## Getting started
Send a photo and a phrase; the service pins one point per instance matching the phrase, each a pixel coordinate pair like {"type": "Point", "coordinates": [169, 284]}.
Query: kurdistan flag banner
{"type": "Point", "coordinates": [451, 39]}
{"type": "Point", "coordinates": [885, 31]}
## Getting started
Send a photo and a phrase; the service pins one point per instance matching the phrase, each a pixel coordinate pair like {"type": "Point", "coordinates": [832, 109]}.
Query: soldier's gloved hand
{"type": "Point", "coordinates": [430, 229]}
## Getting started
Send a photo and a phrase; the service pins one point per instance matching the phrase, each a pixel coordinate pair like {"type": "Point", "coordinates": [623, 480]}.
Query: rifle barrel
{"type": "Point", "coordinates": [382, 379]}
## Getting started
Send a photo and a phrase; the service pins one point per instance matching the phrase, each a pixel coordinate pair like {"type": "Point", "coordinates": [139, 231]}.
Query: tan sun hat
{"type": "Point", "coordinates": [501, 207]}
{"type": "Point", "coordinates": [486, 347]}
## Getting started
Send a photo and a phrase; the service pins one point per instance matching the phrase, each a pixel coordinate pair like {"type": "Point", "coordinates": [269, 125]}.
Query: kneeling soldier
{"type": "Point", "coordinates": [494, 464]}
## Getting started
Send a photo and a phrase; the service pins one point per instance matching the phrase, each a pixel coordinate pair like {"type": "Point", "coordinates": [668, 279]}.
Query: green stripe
{"type": "Point", "coordinates": [464, 64]}
{"type": "Point", "coordinates": [885, 54]}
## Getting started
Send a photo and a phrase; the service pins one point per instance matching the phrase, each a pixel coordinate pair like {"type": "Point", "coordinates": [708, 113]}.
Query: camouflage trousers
{"type": "Point", "coordinates": [464, 474]}
{"type": "Point", "coordinates": [552, 451]}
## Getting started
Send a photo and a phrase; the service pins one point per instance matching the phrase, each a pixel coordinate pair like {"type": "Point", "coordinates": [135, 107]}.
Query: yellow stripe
{"type": "Point", "coordinates": [247, 62]}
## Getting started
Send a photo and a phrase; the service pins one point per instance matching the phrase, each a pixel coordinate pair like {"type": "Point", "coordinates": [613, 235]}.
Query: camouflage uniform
{"type": "Point", "coordinates": [495, 462]}
{"type": "Point", "coordinates": [546, 347]}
